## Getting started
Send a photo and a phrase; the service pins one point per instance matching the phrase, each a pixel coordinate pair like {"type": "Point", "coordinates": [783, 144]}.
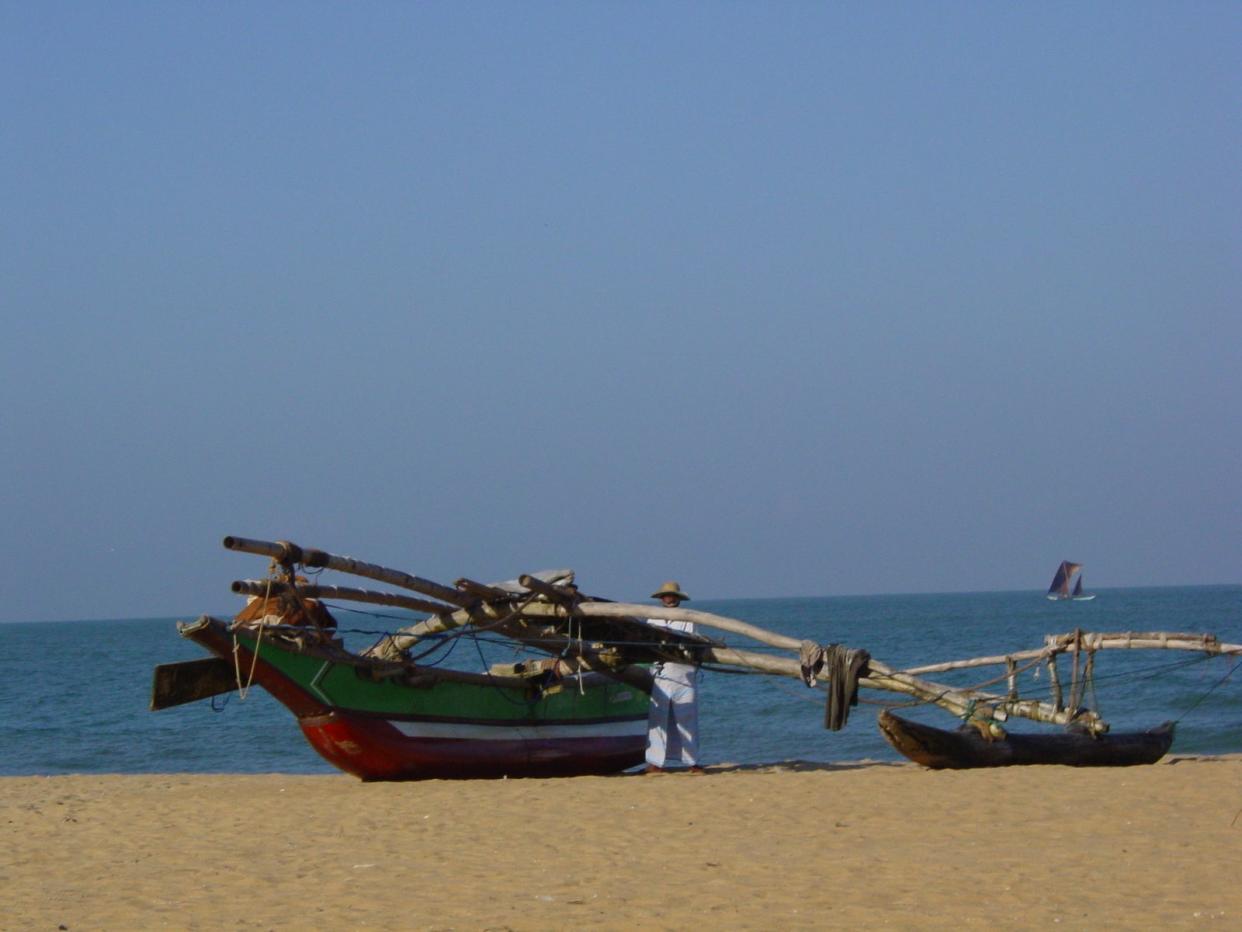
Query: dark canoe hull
{"type": "Point", "coordinates": [965, 748]}
{"type": "Point", "coordinates": [389, 730]}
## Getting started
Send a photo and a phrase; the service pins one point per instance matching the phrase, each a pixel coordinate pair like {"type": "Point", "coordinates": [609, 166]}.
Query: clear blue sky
{"type": "Point", "coordinates": [773, 299]}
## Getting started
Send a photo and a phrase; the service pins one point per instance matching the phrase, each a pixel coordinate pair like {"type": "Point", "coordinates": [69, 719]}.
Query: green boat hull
{"type": "Point", "coordinates": [381, 723]}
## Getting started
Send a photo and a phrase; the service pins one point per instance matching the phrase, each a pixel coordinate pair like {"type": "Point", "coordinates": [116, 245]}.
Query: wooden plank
{"type": "Point", "coordinates": [190, 680]}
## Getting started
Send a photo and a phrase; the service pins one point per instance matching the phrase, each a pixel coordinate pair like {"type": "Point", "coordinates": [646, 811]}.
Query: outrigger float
{"type": "Point", "coordinates": [389, 713]}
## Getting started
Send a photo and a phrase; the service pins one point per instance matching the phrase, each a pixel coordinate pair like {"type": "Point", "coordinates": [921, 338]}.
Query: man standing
{"type": "Point", "coordinates": [673, 718]}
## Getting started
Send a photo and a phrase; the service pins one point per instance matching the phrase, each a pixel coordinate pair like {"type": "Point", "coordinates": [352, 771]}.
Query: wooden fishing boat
{"type": "Point", "coordinates": [382, 716]}
{"type": "Point", "coordinates": [381, 721]}
{"type": "Point", "coordinates": [968, 747]}
{"type": "Point", "coordinates": [394, 711]}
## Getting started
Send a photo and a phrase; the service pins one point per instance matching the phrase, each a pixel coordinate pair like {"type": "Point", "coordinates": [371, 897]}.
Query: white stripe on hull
{"type": "Point", "coordinates": [520, 732]}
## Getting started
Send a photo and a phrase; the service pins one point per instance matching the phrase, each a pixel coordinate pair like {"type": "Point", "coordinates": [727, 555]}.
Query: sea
{"type": "Point", "coordinates": [75, 694]}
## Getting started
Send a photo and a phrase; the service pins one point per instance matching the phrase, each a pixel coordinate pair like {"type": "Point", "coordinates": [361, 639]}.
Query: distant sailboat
{"type": "Point", "coordinates": [1060, 588]}
{"type": "Point", "coordinates": [1078, 596]}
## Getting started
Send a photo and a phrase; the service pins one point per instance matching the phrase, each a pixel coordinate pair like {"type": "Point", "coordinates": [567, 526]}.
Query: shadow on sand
{"type": "Point", "coordinates": [785, 766]}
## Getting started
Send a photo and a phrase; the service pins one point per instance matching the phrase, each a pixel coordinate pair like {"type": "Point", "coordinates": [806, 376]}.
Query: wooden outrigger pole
{"type": "Point", "coordinates": [287, 553]}
{"type": "Point", "coordinates": [263, 588]}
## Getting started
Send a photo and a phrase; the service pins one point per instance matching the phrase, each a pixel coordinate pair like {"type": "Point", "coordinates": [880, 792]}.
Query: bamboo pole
{"type": "Point", "coordinates": [394, 645]}
{"type": "Point", "coordinates": [623, 610]}
{"type": "Point", "coordinates": [262, 587]}
{"type": "Point", "coordinates": [1076, 672]}
{"type": "Point", "coordinates": [634, 610]}
{"type": "Point", "coordinates": [1054, 679]}
{"type": "Point", "coordinates": [1206, 643]}
{"type": "Point", "coordinates": [1059, 643]}
{"type": "Point", "coordinates": [483, 591]}
{"type": "Point", "coordinates": [289, 553]}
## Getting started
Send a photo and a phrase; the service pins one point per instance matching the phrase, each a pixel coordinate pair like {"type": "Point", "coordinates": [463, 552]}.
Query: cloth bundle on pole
{"type": "Point", "coordinates": [843, 666]}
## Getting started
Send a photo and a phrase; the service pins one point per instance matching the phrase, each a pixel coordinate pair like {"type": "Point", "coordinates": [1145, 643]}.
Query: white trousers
{"type": "Point", "coordinates": [673, 717]}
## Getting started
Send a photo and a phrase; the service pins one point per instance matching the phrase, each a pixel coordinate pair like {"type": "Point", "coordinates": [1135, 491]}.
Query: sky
{"type": "Point", "coordinates": [771, 299]}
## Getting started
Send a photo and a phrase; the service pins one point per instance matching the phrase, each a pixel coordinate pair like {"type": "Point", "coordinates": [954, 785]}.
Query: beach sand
{"type": "Point", "coordinates": [867, 845]}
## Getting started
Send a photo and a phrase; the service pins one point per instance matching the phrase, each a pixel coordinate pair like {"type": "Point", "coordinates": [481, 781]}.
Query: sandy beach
{"type": "Point", "coordinates": [868, 845]}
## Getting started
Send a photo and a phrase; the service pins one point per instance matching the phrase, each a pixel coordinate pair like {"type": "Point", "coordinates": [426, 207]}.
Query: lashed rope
{"type": "Point", "coordinates": [243, 690]}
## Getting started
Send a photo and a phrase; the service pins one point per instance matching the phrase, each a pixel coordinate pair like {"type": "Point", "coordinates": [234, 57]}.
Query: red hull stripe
{"type": "Point", "coordinates": [525, 732]}
{"type": "Point", "coordinates": [375, 750]}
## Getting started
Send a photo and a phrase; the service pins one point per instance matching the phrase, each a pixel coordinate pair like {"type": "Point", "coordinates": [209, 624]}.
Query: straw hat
{"type": "Point", "coordinates": [670, 588]}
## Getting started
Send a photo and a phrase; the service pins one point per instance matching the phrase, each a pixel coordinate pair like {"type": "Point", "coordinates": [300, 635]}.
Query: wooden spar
{"type": "Point", "coordinates": [483, 591]}
{"type": "Point", "coordinates": [633, 610]}
{"type": "Point", "coordinates": [1076, 672]}
{"type": "Point", "coordinates": [287, 552]}
{"type": "Point", "coordinates": [535, 584]}
{"type": "Point", "coordinates": [263, 587]}
{"type": "Point", "coordinates": [1154, 640]}
{"type": "Point", "coordinates": [408, 637]}
{"type": "Point", "coordinates": [1060, 643]}
{"type": "Point", "coordinates": [393, 645]}
{"type": "Point", "coordinates": [1054, 681]}
{"type": "Point", "coordinates": [978, 661]}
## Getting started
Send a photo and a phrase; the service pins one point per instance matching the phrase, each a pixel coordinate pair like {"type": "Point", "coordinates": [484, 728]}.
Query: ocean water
{"type": "Point", "coordinates": [74, 694]}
